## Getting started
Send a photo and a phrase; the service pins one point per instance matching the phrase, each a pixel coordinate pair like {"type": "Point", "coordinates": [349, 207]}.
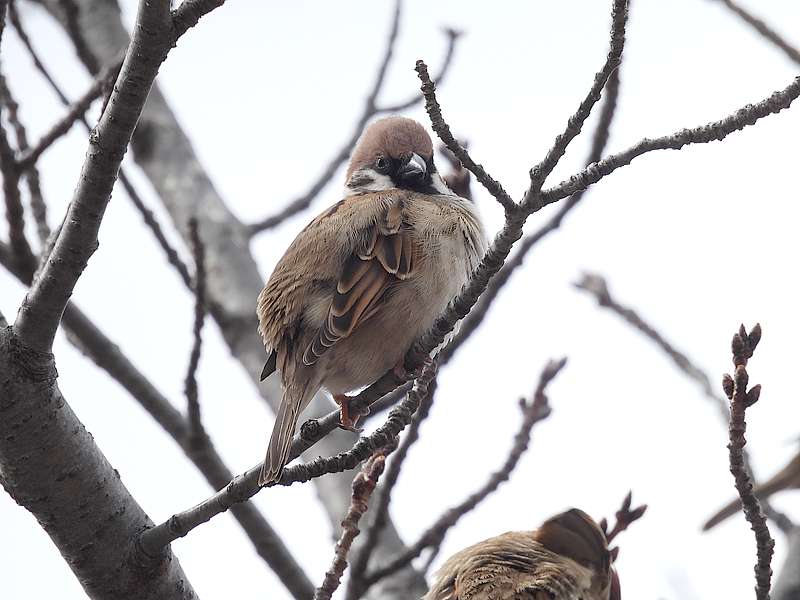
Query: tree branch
{"type": "Point", "coordinates": [597, 287]}
{"type": "Point", "coordinates": [741, 398]}
{"type": "Point", "coordinates": [196, 429]}
{"type": "Point", "coordinates": [714, 131]}
{"type": "Point", "coordinates": [75, 112]}
{"type": "Point", "coordinates": [246, 485]}
{"type": "Point", "coordinates": [534, 411]}
{"type": "Point", "coordinates": [385, 494]}
{"type": "Point", "coordinates": [765, 30]}
{"type": "Point", "coordinates": [363, 486]}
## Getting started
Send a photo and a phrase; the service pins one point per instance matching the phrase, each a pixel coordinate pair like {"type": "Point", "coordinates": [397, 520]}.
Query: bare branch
{"type": "Point", "coordinates": [38, 207]}
{"type": "Point", "coordinates": [76, 111]}
{"type": "Point", "coordinates": [532, 412]}
{"type": "Point", "coordinates": [385, 494]}
{"type": "Point", "coordinates": [363, 486]}
{"type": "Point", "coordinates": [476, 316]}
{"type": "Point", "coordinates": [619, 17]}
{"type": "Point", "coordinates": [85, 54]}
{"type": "Point", "coordinates": [190, 12]}
{"type": "Point", "coordinates": [442, 129]}
{"type": "Point", "coordinates": [715, 131]}
{"type": "Point", "coordinates": [15, 213]}
{"type": "Point", "coordinates": [742, 347]}
{"type": "Point", "coordinates": [196, 430]}
{"type": "Point", "coordinates": [371, 110]}
{"type": "Point", "coordinates": [246, 485]}
{"type": "Point", "coordinates": [597, 287]}
{"type": "Point", "coordinates": [765, 30]}
{"type": "Point", "coordinates": [625, 516]}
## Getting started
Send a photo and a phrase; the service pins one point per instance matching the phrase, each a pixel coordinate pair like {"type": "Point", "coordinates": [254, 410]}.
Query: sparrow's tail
{"type": "Point", "coordinates": [781, 481]}
{"type": "Point", "coordinates": [293, 402]}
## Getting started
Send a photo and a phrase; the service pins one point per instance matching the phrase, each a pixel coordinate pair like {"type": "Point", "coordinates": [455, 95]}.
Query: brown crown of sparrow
{"type": "Point", "coordinates": [366, 278]}
{"type": "Point", "coordinates": [567, 558]}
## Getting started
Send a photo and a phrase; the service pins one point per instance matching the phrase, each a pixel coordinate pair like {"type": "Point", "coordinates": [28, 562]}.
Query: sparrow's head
{"type": "Point", "coordinates": [577, 536]}
{"type": "Point", "coordinates": [394, 152]}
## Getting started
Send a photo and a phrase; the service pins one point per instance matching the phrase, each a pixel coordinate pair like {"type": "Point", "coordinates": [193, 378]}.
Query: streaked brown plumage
{"type": "Point", "coordinates": [787, 478]}
{"type": "Point", "coordinates": [567, 558]}
{"type": "Point", "coordinates": [365, 278]}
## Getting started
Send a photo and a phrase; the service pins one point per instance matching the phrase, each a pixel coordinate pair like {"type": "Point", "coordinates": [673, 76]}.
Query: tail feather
{"type": "Point", "coordinates": [280, 442]}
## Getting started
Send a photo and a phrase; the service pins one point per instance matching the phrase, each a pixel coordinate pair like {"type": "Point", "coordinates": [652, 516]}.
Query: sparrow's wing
{"type": "Point", "coordinates": [383, 257]}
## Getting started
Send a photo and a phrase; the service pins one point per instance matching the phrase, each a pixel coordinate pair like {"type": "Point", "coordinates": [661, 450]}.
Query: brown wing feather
{"type": "Point", "coordinates": [386, 257]}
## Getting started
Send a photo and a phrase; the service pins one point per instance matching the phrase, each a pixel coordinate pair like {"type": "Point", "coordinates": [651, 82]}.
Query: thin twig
{"type": "Point", "coordinates": [75, 112]}
{"type": "Point", "coordinates": [619, 16]}
{"type": "Point", "coordinates": [245, 486]}
{"type": "Point", "coordinates": [625, 516]}
{"type": "Point", "coordinates": [363, 486]}
{"type": "Point", "coordinates": [381, 511]}
{"type": "Point", "coordinates": [196, 430]}
{"type": "Point", "coordinates": [38, 206]}
{"type": "Point", "coordinates": [765, 30]}
{"type": "Point", "coordinates": [15, 213]}
{"type": "Point", "coordinates": [371, 110]}
{"type": "Point", "coordinates": [742, 347]}
{"type": "Point", "coordinates": [442, 130]}
{"type": "Point", "coordinates": [596, 285]}
{"type": "Point", "coordinates": [73, 27]}
{"type": "Point", "coordinates": [533, 412]}
{"type": "Point", "coordinates": [703, 134]}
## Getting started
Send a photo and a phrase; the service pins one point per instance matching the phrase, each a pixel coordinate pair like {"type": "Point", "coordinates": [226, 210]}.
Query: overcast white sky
{"type": "Point", "coordinates": [698, 240]}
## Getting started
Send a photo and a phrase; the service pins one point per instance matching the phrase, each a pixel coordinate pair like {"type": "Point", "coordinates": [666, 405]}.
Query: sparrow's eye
{"type": "Point", "coordinates": [382, 164]}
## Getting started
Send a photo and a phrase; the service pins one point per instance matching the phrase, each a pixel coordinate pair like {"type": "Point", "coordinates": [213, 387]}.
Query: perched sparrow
{"type": "Point", "coordinates": [787, 478]}
{"type": "Point", "coordinates": [567, 558]}
{"type": "Point", "coordinates": [365, 278]}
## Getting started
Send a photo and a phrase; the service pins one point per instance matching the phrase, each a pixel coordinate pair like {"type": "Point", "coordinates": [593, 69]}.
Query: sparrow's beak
{"type": "Point", "coordinates": [414, 170]}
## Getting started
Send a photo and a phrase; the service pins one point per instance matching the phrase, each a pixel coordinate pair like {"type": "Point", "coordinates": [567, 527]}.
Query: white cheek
{"type": "Point", "coordinates": [379, 183]}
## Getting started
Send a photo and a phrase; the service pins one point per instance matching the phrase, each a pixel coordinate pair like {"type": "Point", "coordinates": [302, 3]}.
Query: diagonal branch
{"type": "Point", "coordinates": [534, 411]}
{"type": "Point", "coordinates": [703, 134]}
{"type": "Point", "coordinates": [246, 485]}
{"type": "Point", "coordinates": [599, 141]}
{"type": "Point", "coordinates": [765, 30]}
{"type": "Point", "coordinates": [75, 112]}
{"type": "Point", "coordinates": [597, 287]}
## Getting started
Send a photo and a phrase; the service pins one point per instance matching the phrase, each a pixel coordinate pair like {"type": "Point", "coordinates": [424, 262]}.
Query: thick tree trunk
{"type": "Point", "coordinates": [51, 466]}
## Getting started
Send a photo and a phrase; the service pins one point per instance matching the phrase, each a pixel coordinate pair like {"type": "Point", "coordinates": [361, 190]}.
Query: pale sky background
{"type": "Point", "coordinates": [697, 240]}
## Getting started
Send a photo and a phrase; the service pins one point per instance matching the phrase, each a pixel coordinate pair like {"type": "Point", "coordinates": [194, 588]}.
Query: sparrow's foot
{"type": "Point", "coordinates": [347, 420]}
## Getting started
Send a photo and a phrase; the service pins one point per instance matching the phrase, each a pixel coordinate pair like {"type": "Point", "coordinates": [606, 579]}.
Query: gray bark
{"type": "Point", "coordinates": [51, 465]}
{"type": "Point", "coordinates": [165, 154]}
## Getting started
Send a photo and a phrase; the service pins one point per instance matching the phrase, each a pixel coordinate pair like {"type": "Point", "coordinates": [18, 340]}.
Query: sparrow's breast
{"type": "Point", "coordinates": [449, 243]}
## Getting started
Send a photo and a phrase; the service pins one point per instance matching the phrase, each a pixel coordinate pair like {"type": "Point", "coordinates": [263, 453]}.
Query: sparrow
{"type": "Point", "coordinates": [567, 558]}
{"type": "Point", "coordinates": [787, 478]}
{"type": "Point", "coordinates": [365, 278]}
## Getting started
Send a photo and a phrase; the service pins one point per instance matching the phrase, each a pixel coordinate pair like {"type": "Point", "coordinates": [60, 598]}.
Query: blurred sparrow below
{"type": "Point", "coordinates": [567, 558]}
{"type": "Point", "coordinates": [366, 278]}
{"type": "Point", "coordinates": [787, 478]}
